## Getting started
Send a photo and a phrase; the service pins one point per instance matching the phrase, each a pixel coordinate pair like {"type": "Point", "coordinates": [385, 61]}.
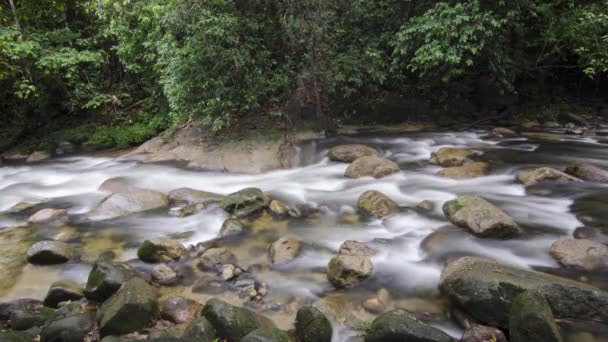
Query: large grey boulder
{"type": "Point", "coordinates": [348, 153]}
{"type": "Point", "coordinates": [533, 176]}
{"type": "Point", "coordinates": [347, 270]}
{"type": "Point", "coordinates": [486, 289]}
{"type": "Point", "coordinates": [312, 325]}
{"type": "Point", "coordinates": [106, 278]}
{"type": "Point", "coordinates": [587, 172]}
{"type": "Point", "coordinates": [131, 309]}
{"type": "Point", "coordinates": [399, 325]}
{"type": "Point", "coordinates": [451, 156]}
{"type": "Point", "coordinates": [580, 254]}
{"type": "Point", "coordinates": [132, 200]}
{"type": "Point", "coordinates": [371, 166]}
{"type": "Point", "coordinates": [531, 319]}
{"type": "Point", "coordinates": [376, 204]}
{"type": "Point", "coordinates": [244, 202]}
{"type": "Point", "coordinates": [480, 217]}
{"type": "Point", "coordinates": [232, 322]}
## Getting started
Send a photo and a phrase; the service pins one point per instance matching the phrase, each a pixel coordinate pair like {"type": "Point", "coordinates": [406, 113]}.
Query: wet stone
{"type": "Point", "coordinates": [312, 325]}
{"type": "Point", "coordinates": [284, 249]}
{"type": "Point", "coordinates": [163, 274]}
{"type": "Point", "coordinates": [62, 291]}
{"type": "Point", "coordinates": [179, 309]}
{"type": "Point", "coordinates": [49, 252]}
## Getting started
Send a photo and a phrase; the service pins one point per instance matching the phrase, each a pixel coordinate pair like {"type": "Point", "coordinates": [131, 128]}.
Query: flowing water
{"type": "Point", "coordinates": [408, 268]}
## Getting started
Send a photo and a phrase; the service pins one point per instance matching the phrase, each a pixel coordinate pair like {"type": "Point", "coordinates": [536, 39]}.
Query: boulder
{"type": "Point", "coordinates": [347, 270]}
{"type": "Point", "coordinates": [587, 172]}
{"type": "Point", "coordinates": [486, 289]}
{"type": "Point", "coordinates": [504, 132]}
{"type": "Point", "coordinates": [586, 255]}
{"type": "Point", "coordinates": [482, 333]}
{"type": "Point", "coordinates": [352, 247]}
{"type": "Point", "coordinates": [106, 278]}
{"type": "Point", "coordinates": [231, 227]}
{"type": "Point", "coordinates": [200, 330]}
{"type": "Point", "coordinates": [371, 167]}
{"type": "Point", "coordinates": [348, 153]}
{"type": "Point", "coordinates": [451, 156]}
{"type": "Point", "coordinates": [14, 336]}
{"type": "Point", "coordinates": [244, 202]}
{"type": "Point", "coordinates": [186, 210]}
{"type": "Point", "coordinates": [27, 318]}
{"type": "Point", "coordinates": [471, 170]}
{"type": "Point", "coordinates": [399, 325]}
{"type": "Point", "coordinates": [37, 156]}
{"type": "Point", "coordinates": [130, 309]}
{"type": "Point", "coordinates": [73, 328]}
{"type": "Point", "coordinates": [132, 200]}
{"type": "Point", "coordinates": [533, 176]}
{"type": "Point", "coordinates": [192, 196]}
{"type": "Point", "coordinates": [597, 234]}
{"type": "Point", "coordinates": [284, 249]}
{"type": "Point", "coordinates": [480, 217]}
{"type": "Point", "coordinates": [49, 253]}
{"type": "Point", "coordinates": [115, 184]}
{"type": "Point", "coordinates": [215, 257]}
{"type": "Point", "coordinates": [232, 322]}
{"type": "Point", "coordinates": [161, 249]}
{"type": "Point", "coordinates": [163, 274]}
{"type": "Point", "coordinates": [312, 325]}
{"type": "Point", "coordinates": [531, 319]}
{"type": "Point", "coordinates": [376, 204]}
{"type": "Point", "coordinates": [55, 217]}
{"type": "Point", "coordinates": [26, 304]}
{"type": "Point", "coordinates": [179, 309]}
{"type": "Point", "coordinates": [267, 335]}
{"type": "Point", "coordinates": [62, 291]}
{"type": "Point", "coordinates": [278, 209]}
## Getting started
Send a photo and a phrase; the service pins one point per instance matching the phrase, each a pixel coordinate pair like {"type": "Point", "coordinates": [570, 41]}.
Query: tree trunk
{"type": "Point", "coordinates": [14, 10]}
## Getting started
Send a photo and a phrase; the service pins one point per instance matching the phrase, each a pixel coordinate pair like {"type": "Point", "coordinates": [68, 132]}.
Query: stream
{"type": "Point", "coordinates": [409, 262]}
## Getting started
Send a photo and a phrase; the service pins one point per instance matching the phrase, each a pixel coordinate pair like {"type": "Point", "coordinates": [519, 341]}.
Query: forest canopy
{"type": "Point", "coordinates": [134, 67]}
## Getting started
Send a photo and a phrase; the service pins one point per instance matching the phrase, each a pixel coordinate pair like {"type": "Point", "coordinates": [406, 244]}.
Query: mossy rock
{"type": "Point", "coordinates": [376, 204]}
{"type": "Point", "coordinates": [161, 249]}
{"type": "Point", "coordinates": [531, 319]}
{"type": "Point", "coordinates": [480, 217]}
{"type": "Point", "coordinates": [24, 319]}
{"type": "Point", "coordinates": [61, 291]}
{"type": "Point", "coordinates": [348, 270]}
{"type": "Point", "coordinates": [13, 336]}
{"type": "Point", "coordinates": [69, 329]}
{"type": "Point", "coordinates": [106, 278]}
{"type": "Point", "coordinates": [399, 325]}
{"type": "Point", "coordinates": [244, 202]}
{"type": "Point", "coordinates": [267, 335]}
{"type": "Point", "coordinates": [232, 322]}
{"type": "Point", "coordinates": [312, 325]}
{"type": "Point", "coordinates": [200, 330]}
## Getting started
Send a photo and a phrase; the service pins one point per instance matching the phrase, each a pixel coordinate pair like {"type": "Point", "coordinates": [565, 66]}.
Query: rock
{"type": "Point", "coordinates": [163, 274]}
{"type": "Point", "coordinates": [480, 217]}
{"type": "Point", "coordinates": [186, 210]}
{"type": "Point", "coordinates": [161, 249]}
{"type": "Point", "coordinates": [482, 333]}
{"type": "Point", "coordinates": [62, 291]}
{"type": "Point", "coordinates": [371, 167]}
{"type": "Point", "coordinates": [267, 335]}
{"type": "Point", "coordinates": [377, 204]}
{"type": "Point", "coordinates": [426, 205]}
{"type": "Point", "coordinates": [73, 328]}
{"type": "Point", "coordinates": [200, 330]}
{"type": "Point", "coordinates": [133, 200]}
{"type": "Point", "coordinates": [244, 202]}
{"type": "Point", "coordinates": [231, 227]}
{"type": "Point", "coordinates": [49, 253]}
{"type": "Point", "coordinates": [533, 176]}
{"type": "Point", "coordinates": [38, 156]}
{"type": "Point", "coordinates": [24, 304]}
{"type": "Point", "coordinates": [580, 254]}
{"type": "Point", "coordinates": [179, 309]}
{"type": "Point", "coordinates": [278, 209]}
{"type": "Point", "coordinates": [347, 270]}
{"type": "Point", "coordinates": [284, 249]}
{"type": "Point", "coordinates": [485, 289]}
{"type": "Point", "coordinates": [588, 172]}
{"type": "Point", "coordinates": [471, 170]}
{"type": "Point", "coordinates": [14, 336]}
{"type": "Point", "coordinates": [597, 234]}
{"type": "Point", "coordinates": [531, 319]}
{"type": "Point", "coordinates": [348, 153]}
{"type": "Point", "coordinates": [351, 247]}
{"type": "Point", "coordinates": [312, 325]}
{"type": "Point", "coordinates": [192, 196]}
{"type": "Point", "coordinates": [374, 305]}
{"type": "Point", "coordinates": [24, 319]}
{"type": "Point", "coordinates": [451, 156]}
{"type": "Point", "coordinates": [232, 322]}
{"type": "Point", "coordinates": [228, 272]}
{"type": "Point", "coordinates": [106, 278]}
{"type": "Point", "coordinates": [65, 147]}
{"type": "Point", "coordinates": [504, 132]}
{"type": "Point", "coordinates": [214, 257]}
{"type": "Point", "coordinates": [115, 185]}
{"type": "Point", "coordinates": [399, 325]}
{"type": "Point", "coordinates": [130, 309]}
{"type": "Point", "coordinates": [56, 217]}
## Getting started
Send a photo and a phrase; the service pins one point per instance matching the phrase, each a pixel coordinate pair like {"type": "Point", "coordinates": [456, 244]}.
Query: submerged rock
{"type": "Point", "coordinates": [352, 247]}
{"type": "Point", "coordinates": [597, 234]}
{"type": "Point", "coordinates": [482, 333]}
{"type": "Point", "coordinates": [588, 172]}
{"type": "Point", "coordinates": [486, 289]}
{"type": "Point", "coordinates": [531, 319]}
{"type": "Point", "coordinates": [193, 196]}
{"type": "Point", "coordinates": [161, 249]}
{"type": "Point", "coordinates": [451, 156]}
{"type": "Point", "coordinates": [284, 249]}
{"type": "Point", "coordinates": [27, 304]}
{"type": "Point", "coordinates": [504, 132]}
{"type": "Point", "coordinates": [233, 322]}
{"type": "Point", "coordinates": [163, 274]}
{"type": "Point", "coordinates": [312, 325]}
{"type": "Point", "coordinates": [480, 217]}
{"type": "Point", "coordinates": [132, 200]}
{"type": "Point", "coordinates": [580, 254]}
{"type": "Point", "coordinates": [73, 328]}
{"type": "Point", "coordinates": [57, 217]}
{"type": "Point", "coordinates": [179, 309]}
{"type": "Point", "coordinates": [347, 270]}
{"type": "Point", "coordinates": [131, 309]}
{"type": "Point", "coordinates": [377, 204]}
{"type": "Point", "coordinates": [348, 153]}
{"type": "Point", "coordinates": [399, 325]}
{"type": "Point", "coordinates": [231, 227]}
{"type": "Point", "coordinates": [371, 167]}
{"type": "Point", "coordinates": [267, 335]}
{"type": "Point", "coordinates": [471, 170]}
{"type": "Point", "coordinates": [106, 278]}
{"type": "Point", "coordinates": [200, 330]}
{"type": "Point", "coordinates": [49, 253]}
{"type": "Point", "coordinates": [215, 257]}
{"type": "Point", "coordinates": [244, 202]}
{"type": "Point", "coordinates": [533, 176]}
{"type": "Point", "coordinates": [278, 209]}
{"type": "Point", "coordinates": [62, 291]}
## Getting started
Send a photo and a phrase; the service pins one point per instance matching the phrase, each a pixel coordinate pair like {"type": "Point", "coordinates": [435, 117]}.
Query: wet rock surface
{"type": "Point", "coordinates": [376, 204]}
{"type": "Point", "coordinates": [49, 252]}
{"type": "Point", "coordinates": [348, 153]}
{"type": "Point", "coordinates": [480, 217]}
{"type": "Point", "coordinates": [580, 254]}
{"type": "Point", "coordinates": [399, 325]}
{"type": "Point", "coordinates": [312, 325]}
{"type": "Point", "coordinates": [531, 319]}
{"type": "Point", "coordinates": [371, 167]}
